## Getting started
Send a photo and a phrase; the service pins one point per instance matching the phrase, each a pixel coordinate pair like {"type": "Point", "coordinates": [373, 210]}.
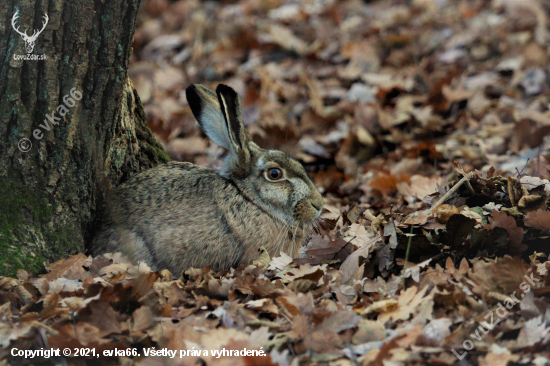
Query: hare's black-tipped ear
{"type": "Point", "coordinates": [205, 106]}
{"type": "Point", "coordinates": [231, 111]}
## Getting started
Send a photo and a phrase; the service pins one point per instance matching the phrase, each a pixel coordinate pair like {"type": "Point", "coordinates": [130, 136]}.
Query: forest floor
{"type": "Point", "coordinates": [390, 105]}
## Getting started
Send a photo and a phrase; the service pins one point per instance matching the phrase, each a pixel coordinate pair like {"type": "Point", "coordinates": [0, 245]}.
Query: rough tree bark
{"type": "Point", "coordinates": [49, 195]}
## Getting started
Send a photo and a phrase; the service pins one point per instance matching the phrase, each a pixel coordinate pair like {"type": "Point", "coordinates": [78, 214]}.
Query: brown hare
{"type": "Point", "coordinates": [180, 215]}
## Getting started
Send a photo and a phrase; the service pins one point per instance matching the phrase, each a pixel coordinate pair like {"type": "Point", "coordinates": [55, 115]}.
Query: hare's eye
{"type": "Point", "coordinates": [274, 174]}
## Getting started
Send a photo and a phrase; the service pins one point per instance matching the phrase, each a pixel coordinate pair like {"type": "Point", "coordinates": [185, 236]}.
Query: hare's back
{"type": "Point", "coordinates": [168, 188]}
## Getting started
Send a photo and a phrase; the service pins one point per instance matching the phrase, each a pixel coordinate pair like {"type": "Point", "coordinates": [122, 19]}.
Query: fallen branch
{"type": "Point", "coordinates": [464, 179]}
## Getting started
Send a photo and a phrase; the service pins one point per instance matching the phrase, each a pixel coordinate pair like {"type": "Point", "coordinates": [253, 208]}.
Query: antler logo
{"type": "Point", "coordinates": [29, 41]}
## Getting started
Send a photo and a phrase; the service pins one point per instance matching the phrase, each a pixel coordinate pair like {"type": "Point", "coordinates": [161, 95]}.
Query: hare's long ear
{"type": "Point", "coordinates": [205, 106]}
{"type": "Point", "coordinates": [238, 135]}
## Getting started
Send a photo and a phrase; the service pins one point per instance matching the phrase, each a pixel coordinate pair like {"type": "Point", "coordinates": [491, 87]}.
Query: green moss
{"type": "Point", "coordinates": [64, 239]}
{"type": "Point", "coordinates": [154, 153]}
{"type": "Point", "coordinates": [22, 207]}
{"type": "Point", "coordinates": [147, 142]}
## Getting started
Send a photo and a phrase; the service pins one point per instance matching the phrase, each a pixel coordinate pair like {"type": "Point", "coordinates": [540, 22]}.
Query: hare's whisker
{"type": "Point", "coordinates": [287, 232]}
{"type": "Point", "coordinates": [288, 229]}
{"type": "Point", "coordinates": [279, 238]}
{"type": "Point", "coordinates": [294, 235]}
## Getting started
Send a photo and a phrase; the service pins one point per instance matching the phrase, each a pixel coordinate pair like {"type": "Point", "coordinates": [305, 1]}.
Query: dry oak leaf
{"type": "Point", "coordinates": [64, 285]}
{"type": "Point", "coordinates": [263, 305]}
{"type": "Point", "coordinates": [101, 316]}
{"type": "Point", "coordinates": [533, 331]}
{"type": "Point", "coordinates": [443, 212]}
{"type": "Point", "coordinates": [418, 217]}
{"type": "Point", "coordinates": [280, 262]}
{"type": "Point", "coordinates": [515, 190]}
{"type": "Point", "coordinates": [532, 201]}
{"type": "Point", "coordinates": [338, 321]}
{"type": "Point", "coordinates": [124, 268]}
{"type": "Point", "coordinates": [381, 286]}
{"type": "Point", "coordinates": [321, 249]}
{"type": "Point", "coordinates": [384, 353]}
{"type": "Point", "coordinates": [412, 333]}
{"type": "Point", "coordinates": [263, 258]}
{"type": "Point", "coordinates": [9, 332]}
{"type": "Point", "coordinates": [368, 331]}
{"type": "Point", "coordinates": [285, 38]}
{"type": "Point", "coordinates": [418, 187]}
{"type": "Point", "coordinates": [5, 312]}
{"type": "Point", "coordinates": [295, 305]}
{"type": "Point", "coordinates": [358, 235]}
{"type": "Point", "coordinates": [98, 263]}
{"type": "Point", "coordinates": [497, 359]}
{"type": "Point", "coordinates": [380, 307]}
{"type": "Point", "coordinates": [302, 285]}
{"type": "Point", "coordinates": [143, 319]}
{"type": "Point", "coordinates": [437, 329]}
{"type": "Point", "coordinates": [466, 211]}
{"type": "Point", "coordinates": [351, 264]}
{"type": "Point", "coordinates": [23, 275]}
{"type": "Point", "coordinates": [174, 336]}
{"type": "Point", "coordinates": [320, 340]}
{"type": "Point", "coordinates": [11, 290]}
{"type": "Point", "coordinates": [534, 182]}
{"type": "Point", "coordinates": [407, 304]}
{"type": "Point", "coordinates": [330, 212]}
{"type": "Point", "coordinates": [71, 268]}
{"type": "Point", "coordinates": [305, 272]}
{"type": "Point", "coordinates": [481, 276]}
{"type": "Point", "coordinates": [218, 338]}
{"type": "Point", "coordinates": [260, 337]}
{"type": "Point", "coordinates": [385, 184]}
{"type": "Point", "coordinates": [515, 233]}
{"type": "Point", "coordinates": [508, 273]}
{"type": "Point", "coordinates": [542, 268]}
{"type": "Point", "coordinates": [76, 303]}
{"type": "Point", "coordinates": [414, 271]}
{"type": "Point", "coordinates": [538, 219]}
{"type": "Point", "coordinates": [81, 334]}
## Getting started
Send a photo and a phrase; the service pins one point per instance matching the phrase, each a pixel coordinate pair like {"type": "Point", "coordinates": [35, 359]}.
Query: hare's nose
{"type": "Point", "coordinates": [317, 206]}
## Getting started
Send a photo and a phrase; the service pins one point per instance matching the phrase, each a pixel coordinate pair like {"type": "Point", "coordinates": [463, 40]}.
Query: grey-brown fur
{"type": "Point", "coordinates": [181, 215]}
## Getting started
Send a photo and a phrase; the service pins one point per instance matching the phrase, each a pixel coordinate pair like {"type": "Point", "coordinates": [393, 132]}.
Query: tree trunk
{"type": "Point", "coordinates": [80, 147]}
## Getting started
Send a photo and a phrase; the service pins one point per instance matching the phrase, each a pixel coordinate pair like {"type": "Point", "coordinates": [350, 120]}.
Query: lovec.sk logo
{"type": "Point", "coordinates": [29, 40]}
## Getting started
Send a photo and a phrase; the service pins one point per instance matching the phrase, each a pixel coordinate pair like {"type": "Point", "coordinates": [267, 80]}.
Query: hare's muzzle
{"type": "Point", "coordinates": [308, 209]}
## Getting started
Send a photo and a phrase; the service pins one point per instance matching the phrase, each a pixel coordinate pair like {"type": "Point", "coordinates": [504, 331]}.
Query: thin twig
{"type": "Point", "coordinates": [407, 256]}
{"type": "Point", "coordinates": [470, 188]}
{"type": "Point", "coordinates": [453, 190]}
{"type": "Point", "coordinates": [538, 161]}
